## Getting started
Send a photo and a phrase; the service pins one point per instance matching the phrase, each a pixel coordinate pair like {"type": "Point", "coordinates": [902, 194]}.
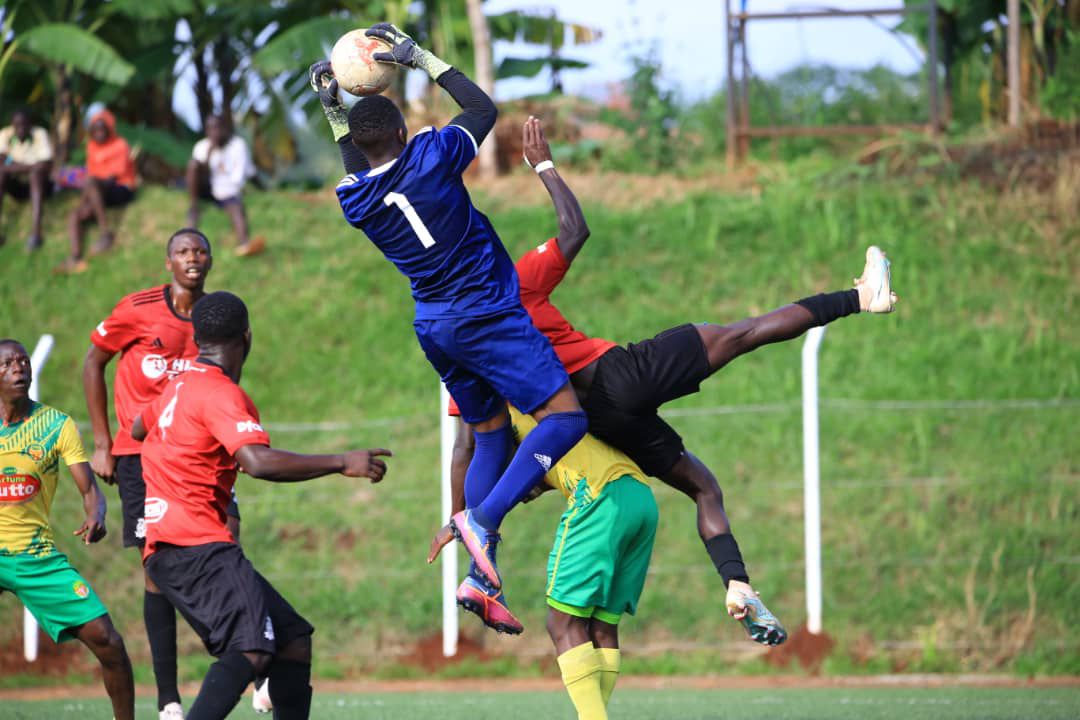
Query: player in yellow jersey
{"type": "Point", "coordinates": [34, 438]}
{"type": "Point", "coordinates": [596, 570]}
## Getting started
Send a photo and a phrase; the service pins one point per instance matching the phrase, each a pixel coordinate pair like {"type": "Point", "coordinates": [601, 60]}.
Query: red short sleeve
{"type": "Point", "coordinates": [118, 331]}
{"type": "Point", "coordinates": [231, 418]}
{"type": "Point", "coordinates": [541, 269]}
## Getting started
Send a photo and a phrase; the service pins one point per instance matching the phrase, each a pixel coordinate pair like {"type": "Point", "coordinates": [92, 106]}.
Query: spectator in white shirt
{"type": "Point", "coordinates": [220, 167]}
{"type": "Point", "coordinates": [26, 158]}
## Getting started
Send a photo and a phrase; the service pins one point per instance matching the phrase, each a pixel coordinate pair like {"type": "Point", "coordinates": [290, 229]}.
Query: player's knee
{"type": "Point", "coordinates": [298, 650]}
{"type": "Point", "coordinates": [105, 641]}
{"type": "Point", "coordinates": [558, 625]}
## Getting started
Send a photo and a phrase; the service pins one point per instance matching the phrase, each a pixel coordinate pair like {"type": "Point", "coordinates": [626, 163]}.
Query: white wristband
{"type": "Point", "coordinates": [542, 166]}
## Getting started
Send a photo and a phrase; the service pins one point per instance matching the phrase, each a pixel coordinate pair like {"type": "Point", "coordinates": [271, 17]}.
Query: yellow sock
{"type": "Point", "coordinates": [609, 671]}
{"type": "Point", "coordinates": [580, 667]}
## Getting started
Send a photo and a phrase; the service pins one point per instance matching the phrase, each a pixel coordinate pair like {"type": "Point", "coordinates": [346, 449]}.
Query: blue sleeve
{"type": "Point", "coordinates": [352, 204]}
{"type": "Point", "coordinates": [454, 145]}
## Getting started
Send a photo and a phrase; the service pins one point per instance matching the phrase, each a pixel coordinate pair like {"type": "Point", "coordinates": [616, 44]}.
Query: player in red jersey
{"type": "Point", "coordinates": [151, 329]}
{"type": "Point", "coordinates": [623, 388]}
{"type": "Point", "coordinates": [196, 434]}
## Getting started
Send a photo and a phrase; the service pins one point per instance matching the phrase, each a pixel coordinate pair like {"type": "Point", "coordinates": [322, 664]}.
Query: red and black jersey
{"type": "Point", "coordinates": [155, 343]}
{"type": "Point", "coordinates": [194, 429]}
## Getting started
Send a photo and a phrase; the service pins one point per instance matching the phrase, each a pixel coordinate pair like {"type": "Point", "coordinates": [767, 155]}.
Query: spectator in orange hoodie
{"type": "Point", "coordinates": [110, 182]}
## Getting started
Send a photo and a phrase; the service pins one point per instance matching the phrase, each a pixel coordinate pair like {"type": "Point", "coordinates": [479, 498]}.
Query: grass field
{"type": "Point", "coordinates": [778, 704]}
{"type": "Point", "coordinates": [949, 457]}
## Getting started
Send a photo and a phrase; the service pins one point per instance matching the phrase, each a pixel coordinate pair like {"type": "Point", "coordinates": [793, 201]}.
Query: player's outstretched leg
{"type": "Point", "coordinates": [872, 293]}
{"type": "Point", "coordinates": [289, 678]}
{"type": "Point", "coordinates": [101, 637]}
{"type": "Point", "coordinates": [225, 682]}
{"type": "Point", "coordinates": [159, 616]}
{"type": "Point", "coordinates": [580, 663]}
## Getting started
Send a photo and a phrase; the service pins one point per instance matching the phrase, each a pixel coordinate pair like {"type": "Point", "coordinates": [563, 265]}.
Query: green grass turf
{"type": "Point", "coordinates": [780, 704]}
{"type": "Point", "coordinates": [949, 532]}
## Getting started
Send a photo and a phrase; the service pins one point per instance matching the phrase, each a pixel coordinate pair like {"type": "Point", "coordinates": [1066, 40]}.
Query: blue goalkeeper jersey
{"type": "Point", "coordinates": [418, 213]}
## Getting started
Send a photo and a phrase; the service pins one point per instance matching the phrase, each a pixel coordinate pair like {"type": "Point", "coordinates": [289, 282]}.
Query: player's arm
{"type": "Point", "coordinates": [323, 82]}
{"type": "Point", "coordinates": [97, 403]}
{"type": "Point", "coordinates": [573, 230]}
{"type": "Point", "coordinates": [93, 526]}
{"type": "Point", "coordinates": [478, 111]}
{"type": "Point", "coordinates": [267, 463]}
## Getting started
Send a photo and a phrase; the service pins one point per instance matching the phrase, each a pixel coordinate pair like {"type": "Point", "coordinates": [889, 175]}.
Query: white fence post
{"type": "Point", "coordinates": [37, 361]}
{"type": "Point", "coordinates": [811, 478]}
{"type": "Point", "coordinates": [448, 430]}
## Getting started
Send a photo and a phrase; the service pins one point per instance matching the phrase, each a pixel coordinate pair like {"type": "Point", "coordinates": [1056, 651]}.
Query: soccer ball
{"type": "Point", "coordinates": [356, 71]}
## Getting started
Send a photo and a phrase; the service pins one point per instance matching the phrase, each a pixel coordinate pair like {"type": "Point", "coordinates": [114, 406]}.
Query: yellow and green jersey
{"type": "Point", "coordinates": [30, 454]}
{"type": "Point", "coordinates": [591, 460]}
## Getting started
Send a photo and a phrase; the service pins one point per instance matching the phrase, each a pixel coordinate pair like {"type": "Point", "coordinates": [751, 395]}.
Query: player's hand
{"type": "Point", "coordinates": [535, 145]}
{"type": "Point", "coordinates": [104, 464]}
{"type": "Point", "coordinates": [366, 463]}
{"type": "Point", "coordinates": [322, 80]}
{"type": "Point", "coordinates": [92, 530]}
{"type": "Point", "coordinates": [442, 538]}
{"type": "Point", "coordinates": [403, 48]}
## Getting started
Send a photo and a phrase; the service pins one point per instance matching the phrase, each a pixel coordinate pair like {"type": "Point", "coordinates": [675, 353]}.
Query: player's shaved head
{"type": "Point", "coordinates": [375, 121]}
{"type": "Point", "coordinates": [181, 233]}
{"type": "Point", "coordinates": [219, 318]}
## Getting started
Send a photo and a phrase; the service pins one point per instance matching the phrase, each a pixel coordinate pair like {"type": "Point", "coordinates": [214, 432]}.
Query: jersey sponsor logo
{"type": "Point", "coordinates": [101, 329]}
{"type": "Point", "coordinates": [544, 460]}
{"type": "Point", "coordinates": [268, 629]}
{"type": "Point", "coordinates": [35, 451]}
{"type": "Point", "coordinates": [155, 366]}
{"type": "Point", "coordinates": [248, 426]}
{"type": "Point", "coordinates": [17, 488]}
{"type": "Point", "coordinates": [154, 510]}
{"type": "Point", "coordinates": [541, 248]}
{"type": "Point", "coordinates": [81, 589]}
{"type": "Point", "coordinates": [157, 343]}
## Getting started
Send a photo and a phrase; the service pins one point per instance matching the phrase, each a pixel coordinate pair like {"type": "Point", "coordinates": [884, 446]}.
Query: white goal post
{"type": "Point", "coordinates": [37, 361]}
{"type": "Point", "coordinates": [447, 432]}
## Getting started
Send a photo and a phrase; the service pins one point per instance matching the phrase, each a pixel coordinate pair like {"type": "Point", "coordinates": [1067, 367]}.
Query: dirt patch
{"type": "Point", "coordinates": [428, 653]}
{"type": "Point", "coordinates": [803, 647]}
{"type": "Point", "coordinates": [53, 660]}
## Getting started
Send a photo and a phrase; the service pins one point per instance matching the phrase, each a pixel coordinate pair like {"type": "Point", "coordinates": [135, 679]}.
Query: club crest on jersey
{"type": "Point", "coordinates": [35, 451]}
{"type": "Point", "coordinates": [17, 488]}
{"type": "Point", "coordinates": [154, 509]}
{"type": "Point", "coordinates": [81, 589]}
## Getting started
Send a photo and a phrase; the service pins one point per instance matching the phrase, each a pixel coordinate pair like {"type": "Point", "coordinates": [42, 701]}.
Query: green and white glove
{"type": "Point", "coordinates": [405, 51]}
{"type": "Point", "coordinates": [323, 82]}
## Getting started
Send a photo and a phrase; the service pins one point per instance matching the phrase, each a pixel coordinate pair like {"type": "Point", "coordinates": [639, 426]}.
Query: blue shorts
{"type": "Point", "coordinates": [485, 361]}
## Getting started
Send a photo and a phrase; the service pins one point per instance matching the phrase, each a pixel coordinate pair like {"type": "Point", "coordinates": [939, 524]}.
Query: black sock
{"type": "Point", "coordinates": [222, 687]}
{"type": "Point", "coordinates": [290, 689]}
{"type": "Point", "coordinates": [725, 555]}
{"type": "Point", "coordinates": [827, 307]}
{"type": "Point", "coordinates": [160, 620]}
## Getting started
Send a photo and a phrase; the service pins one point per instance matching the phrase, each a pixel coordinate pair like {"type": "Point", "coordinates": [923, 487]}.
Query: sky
{"type": "Point", "coordinates": [688, 37]}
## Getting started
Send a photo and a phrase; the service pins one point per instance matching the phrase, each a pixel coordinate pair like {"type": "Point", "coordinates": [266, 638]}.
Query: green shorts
{"type": "Point", "coordinates": [602, 548]}
{"type": "Point", "coordinates": [54, 592]}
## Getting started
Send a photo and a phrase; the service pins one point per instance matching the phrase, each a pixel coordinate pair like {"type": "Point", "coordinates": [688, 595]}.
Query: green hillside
{"type": "Point", "coordinates": [950, 502]}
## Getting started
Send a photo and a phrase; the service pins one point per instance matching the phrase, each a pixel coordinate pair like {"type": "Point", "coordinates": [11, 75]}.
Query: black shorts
{"type": "Point", "coordinates": [114, 194]}
{"type": "Point", "coordinates": [228, 604]}
{"type": "Point", "coordinates": [19, 188]}
{"type": "Point", "coordinates": [631, 383]}
{"type": "Point", "coordinates": [132, 487]}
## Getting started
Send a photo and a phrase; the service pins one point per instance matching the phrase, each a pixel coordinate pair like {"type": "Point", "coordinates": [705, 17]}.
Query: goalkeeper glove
{"type": "Point", "coordinates": [323, 82]}
{"type": "Point", "coordinates": [405, 51]}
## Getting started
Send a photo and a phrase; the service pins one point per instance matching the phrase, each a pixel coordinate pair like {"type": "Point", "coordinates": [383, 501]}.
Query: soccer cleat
{"type": "Point", "coordinates": [744, 605]}
{"type": "Point", "coordinates": [172, 711]}
{"type": "Point", "coordinates": [260, 699]}
{"type": "Point", "coordinates": [489, 605]}
{"type": "Point", "coordinates": [875, 284]}
{"type": "Point", "coordinates": [480, 544]}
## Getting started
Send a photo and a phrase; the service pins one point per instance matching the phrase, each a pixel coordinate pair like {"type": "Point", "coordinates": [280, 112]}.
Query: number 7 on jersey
{"type": "Point", "coordinates": [412, 216]}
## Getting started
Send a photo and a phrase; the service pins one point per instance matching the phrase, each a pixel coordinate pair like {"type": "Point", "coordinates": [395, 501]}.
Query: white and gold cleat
{"type": "Point", "coordinates": [744, 604]}
{"type": "Point", "coordinates": [875, 284]}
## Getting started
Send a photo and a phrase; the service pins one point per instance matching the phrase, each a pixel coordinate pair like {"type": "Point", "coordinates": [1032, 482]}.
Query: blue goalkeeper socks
{"type": "Point", "coordinates": [543, 447]}
{"type": "Point", "coordinates": [488, 462]}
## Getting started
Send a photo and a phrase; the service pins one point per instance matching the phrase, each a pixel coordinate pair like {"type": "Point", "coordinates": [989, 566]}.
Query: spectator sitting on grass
{"type": "Point", "coordinates": [110, 182]}
{"type": "Point", "coordinates": [219, 168]}
{"type": "Point", "coordinates": [25, 162]}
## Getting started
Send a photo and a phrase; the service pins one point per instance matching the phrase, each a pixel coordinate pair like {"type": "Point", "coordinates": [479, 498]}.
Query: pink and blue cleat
{"type": "Point", "coordinates": [489, 605]}
{"type": "Point", "coordinates": [480, 543]}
